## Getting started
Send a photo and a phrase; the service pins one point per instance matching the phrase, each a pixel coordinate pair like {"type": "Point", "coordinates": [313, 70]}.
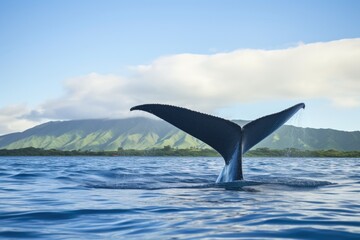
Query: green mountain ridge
{"type": "Point", "coordinates": [144, 133]}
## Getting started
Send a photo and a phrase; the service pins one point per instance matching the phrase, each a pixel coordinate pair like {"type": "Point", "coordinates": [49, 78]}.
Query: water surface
{"type": "Point", "coordinates": [177, 198]}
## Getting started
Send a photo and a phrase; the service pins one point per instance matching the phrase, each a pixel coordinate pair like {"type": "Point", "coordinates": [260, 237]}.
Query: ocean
{"type": "Point", "coordinates": [177, 198]}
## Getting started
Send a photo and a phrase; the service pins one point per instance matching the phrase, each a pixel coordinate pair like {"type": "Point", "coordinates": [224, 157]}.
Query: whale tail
{"type": "Point", "coordinates": [229, 139]}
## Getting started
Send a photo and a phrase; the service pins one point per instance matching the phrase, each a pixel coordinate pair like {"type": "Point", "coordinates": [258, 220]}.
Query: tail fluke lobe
{"type": "Point", "coordinates": [226, 137]}
{"type": "Point", "coordinates": [218, 133]}
{"type": "Point", "coordinates": [257, 130]}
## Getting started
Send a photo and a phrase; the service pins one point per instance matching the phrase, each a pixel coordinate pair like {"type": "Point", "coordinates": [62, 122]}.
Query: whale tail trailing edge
{"type": "Point", "coordinates": [226, 137]}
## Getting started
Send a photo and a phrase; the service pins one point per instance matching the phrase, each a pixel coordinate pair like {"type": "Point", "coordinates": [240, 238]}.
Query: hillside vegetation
{"type": "Point", "coordinates": [190, 152]}
{"type": "Point", "coordinates": [145, 134]}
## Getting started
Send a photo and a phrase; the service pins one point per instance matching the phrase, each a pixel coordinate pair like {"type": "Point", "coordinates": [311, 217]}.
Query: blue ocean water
{"type": "Point", "coordinates": [177, 198]}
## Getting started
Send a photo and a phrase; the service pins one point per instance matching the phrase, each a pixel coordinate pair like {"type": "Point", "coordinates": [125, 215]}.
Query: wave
{"type": "Point", "coordinates": [151, 182]}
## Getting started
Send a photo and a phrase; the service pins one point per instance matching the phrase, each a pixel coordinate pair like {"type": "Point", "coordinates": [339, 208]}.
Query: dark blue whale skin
{"type": "Point", "coordinates": [226, 137]}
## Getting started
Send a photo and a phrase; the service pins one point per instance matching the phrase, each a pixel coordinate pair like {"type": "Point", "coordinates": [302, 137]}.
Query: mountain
{"type": "Point", "coordinates": [144, 133]}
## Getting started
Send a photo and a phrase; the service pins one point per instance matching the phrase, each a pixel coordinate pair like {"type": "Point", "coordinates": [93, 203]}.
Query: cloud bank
{"type": "Point", "coordinates": [326, 70]}
{"type": "Point", "coordinates": [12, 119]}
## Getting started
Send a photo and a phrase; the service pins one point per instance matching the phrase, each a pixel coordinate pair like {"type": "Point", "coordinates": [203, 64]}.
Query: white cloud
{"type": "Point", "coordinates": [324, 70]}
{"type": "Point", "coordinates": [328, 70]}
{"type": "Point", "coordinates": [91, 96]}
{"type": "Point", "coordinates": [11, 119]}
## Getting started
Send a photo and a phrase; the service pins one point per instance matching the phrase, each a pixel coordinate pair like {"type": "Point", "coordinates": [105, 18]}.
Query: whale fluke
{"type": "Point", "coordinates": [218, 133]}
{"type": "Point", "coordinates": [226, 137]}
{"type": "Point", "coordinates": [257, 130]}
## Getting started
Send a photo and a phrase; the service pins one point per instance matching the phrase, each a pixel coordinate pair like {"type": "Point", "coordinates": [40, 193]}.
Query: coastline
{"type": "Point", "coordinates": [190, 152]}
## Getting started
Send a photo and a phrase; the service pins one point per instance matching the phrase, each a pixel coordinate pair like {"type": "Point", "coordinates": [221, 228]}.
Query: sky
{"type": "Point", "coordinates": [78, 59]}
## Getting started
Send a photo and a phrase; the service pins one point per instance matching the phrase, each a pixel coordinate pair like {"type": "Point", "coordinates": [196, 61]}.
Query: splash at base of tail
{"type": "Point", "coordinates": [226, 137]}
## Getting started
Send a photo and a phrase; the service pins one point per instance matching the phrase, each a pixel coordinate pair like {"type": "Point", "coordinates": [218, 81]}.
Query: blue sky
{"type": "Point", "coordinates": [55, 57]}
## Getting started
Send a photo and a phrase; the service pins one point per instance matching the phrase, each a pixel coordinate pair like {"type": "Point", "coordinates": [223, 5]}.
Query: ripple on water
{"type": "Point", "coordinates": [177, 198]}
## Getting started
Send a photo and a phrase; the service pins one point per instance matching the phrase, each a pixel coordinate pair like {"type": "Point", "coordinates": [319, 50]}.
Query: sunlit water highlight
{"type": "Point", "coordinates": [177, 198]}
